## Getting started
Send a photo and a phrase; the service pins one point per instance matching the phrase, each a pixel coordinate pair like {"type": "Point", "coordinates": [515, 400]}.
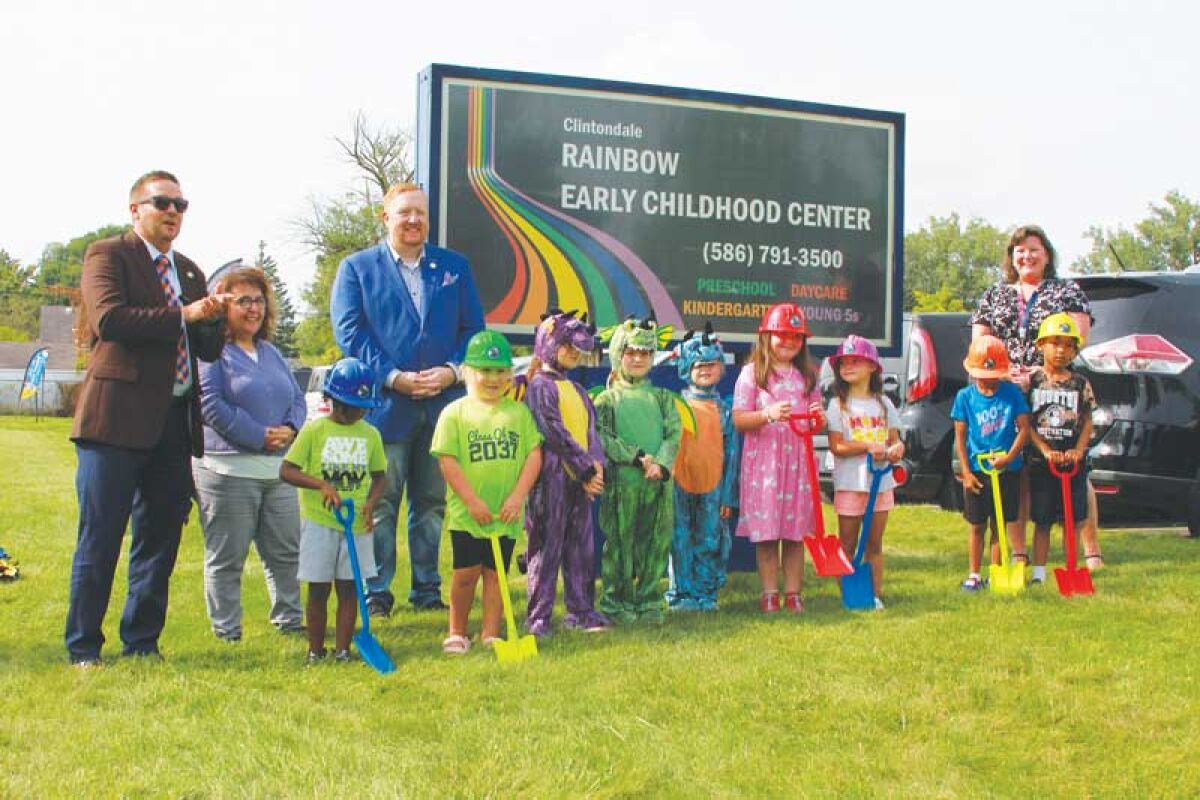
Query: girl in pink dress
{"type": "Point", "coordinates": [776, 501]}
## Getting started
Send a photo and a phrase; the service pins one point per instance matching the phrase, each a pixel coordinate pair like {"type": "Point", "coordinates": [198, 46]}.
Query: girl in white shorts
{"type": "Point", "coordinates": [862, 421]}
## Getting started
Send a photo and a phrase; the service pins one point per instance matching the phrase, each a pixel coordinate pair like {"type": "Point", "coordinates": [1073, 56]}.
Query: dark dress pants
{"type": "Point", "coordinates": [115, 484]}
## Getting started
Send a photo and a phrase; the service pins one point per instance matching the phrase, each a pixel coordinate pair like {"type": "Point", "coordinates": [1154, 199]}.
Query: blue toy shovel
{"type": "Point", "coordinates": [858, 590]}
{"type": "Point", "coordinates": [368, 646]}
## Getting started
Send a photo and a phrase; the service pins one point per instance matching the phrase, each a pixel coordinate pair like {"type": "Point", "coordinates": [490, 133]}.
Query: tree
{"type": "Point", "coordinates": [337, 228]}
{"type": "Point", "coordinates": [61, 264]}
{"type": "Point", "coordinates": [285, 313]}
{"type": "Point", "coordinates": [381, 154]}
{"type": "Point", "coordinates": [19, 303]}
{"type": "Point", "coordinates": [949, 266]}
{"type": "Point", "coordinates": [1168, 239]}
{"type": "Point", "coordinates": [941, 300]}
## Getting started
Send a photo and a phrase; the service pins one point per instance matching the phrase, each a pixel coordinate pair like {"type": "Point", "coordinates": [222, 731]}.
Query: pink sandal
{"type": "Point", "coordinates": [456, 645]}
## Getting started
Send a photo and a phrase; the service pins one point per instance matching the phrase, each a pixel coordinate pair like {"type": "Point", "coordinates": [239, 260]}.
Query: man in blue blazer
{"type": "Point", "coordinates": [407, 309]}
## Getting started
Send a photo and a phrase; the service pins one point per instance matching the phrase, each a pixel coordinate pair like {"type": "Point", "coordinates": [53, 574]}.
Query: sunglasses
{"type": "Point", "coordinates": [248, 301]}
{"type": "Point", "coordinates": [162, 203]}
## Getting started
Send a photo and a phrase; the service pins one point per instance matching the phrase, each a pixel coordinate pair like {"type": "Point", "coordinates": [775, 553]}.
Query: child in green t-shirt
{"type": "Point", "coordinates": [330, 460]}
{"type": "Point", "coordinates": [489, 450]}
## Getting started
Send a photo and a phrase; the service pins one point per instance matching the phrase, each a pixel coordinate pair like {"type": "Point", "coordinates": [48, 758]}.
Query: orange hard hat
{"type": "Point", "coordinates": [987, 358]}
{"type": "Point", "coordinates": [785, 318]}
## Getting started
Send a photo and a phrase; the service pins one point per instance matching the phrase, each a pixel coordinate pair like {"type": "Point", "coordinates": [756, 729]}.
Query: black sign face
{"type": "Point", "coordinates": [683, 206]}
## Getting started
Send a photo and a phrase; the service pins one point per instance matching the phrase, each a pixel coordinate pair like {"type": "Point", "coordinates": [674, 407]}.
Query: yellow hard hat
{"type": "Point", "coordinates": [1060, 324]}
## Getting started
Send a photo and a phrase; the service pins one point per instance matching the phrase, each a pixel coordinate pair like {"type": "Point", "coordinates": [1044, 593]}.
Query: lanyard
{"type": "Point", "coordinates": [1024, 318]}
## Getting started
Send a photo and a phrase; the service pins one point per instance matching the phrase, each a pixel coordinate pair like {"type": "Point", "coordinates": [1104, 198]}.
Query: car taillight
{"type": "Point", "coordinates": [922, 365]}
{"type": "Point", "coordinates": [1138, 352]}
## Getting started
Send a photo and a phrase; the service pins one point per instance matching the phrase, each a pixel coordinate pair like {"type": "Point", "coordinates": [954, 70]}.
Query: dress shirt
{"type": "Point", "coordinates": [411, 275]}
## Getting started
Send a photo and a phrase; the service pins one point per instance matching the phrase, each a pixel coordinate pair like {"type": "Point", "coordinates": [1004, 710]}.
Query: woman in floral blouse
{"type": "Point", "coordinates": [1030, 291]}
{"type": "Point", "coordinates": [1013, 310]}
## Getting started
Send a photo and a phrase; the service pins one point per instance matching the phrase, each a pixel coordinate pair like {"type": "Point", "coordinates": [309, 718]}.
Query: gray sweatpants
{"type": "Point", "coordinates": [234, 512]}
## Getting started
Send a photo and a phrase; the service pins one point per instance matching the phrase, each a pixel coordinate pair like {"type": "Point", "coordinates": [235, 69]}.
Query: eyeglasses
{"type": "Point", "coordinates": [249, 301]}
{"type": "Point", "coordinates": [162, 202]}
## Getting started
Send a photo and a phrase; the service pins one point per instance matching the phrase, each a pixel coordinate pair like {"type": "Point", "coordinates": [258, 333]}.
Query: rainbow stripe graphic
{"type": "Point", "coordinates": [558, 260]}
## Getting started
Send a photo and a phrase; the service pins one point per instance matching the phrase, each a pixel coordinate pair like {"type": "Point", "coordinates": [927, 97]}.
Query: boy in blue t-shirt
{"type": "Point", "coordinates": [990, 415]}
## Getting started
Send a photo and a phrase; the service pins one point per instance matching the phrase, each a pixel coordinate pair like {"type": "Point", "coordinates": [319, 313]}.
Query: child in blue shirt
{"type": "Point", "coordinates": [990, 415]}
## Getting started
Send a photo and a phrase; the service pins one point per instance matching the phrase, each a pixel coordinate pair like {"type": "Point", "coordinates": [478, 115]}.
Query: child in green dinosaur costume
{"type": "Point", "coordinates": [639, 426]}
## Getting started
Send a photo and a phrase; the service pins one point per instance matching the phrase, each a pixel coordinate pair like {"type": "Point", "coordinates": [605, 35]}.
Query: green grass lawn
{"type": "Point", "coordinates": [942, 695]}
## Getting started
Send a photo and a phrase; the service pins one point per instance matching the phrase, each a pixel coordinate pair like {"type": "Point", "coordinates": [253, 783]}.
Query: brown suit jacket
{"type": "Point", "coordinates": [127, 390]}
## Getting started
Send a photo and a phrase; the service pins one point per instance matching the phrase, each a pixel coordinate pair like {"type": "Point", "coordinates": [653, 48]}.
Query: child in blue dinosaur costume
{"type": "Point", "coordinates": [640, 428]}
{"type": "Point", "coordinates": [558, 524]}
{"type": "Point", "coordinates": [706, 472]}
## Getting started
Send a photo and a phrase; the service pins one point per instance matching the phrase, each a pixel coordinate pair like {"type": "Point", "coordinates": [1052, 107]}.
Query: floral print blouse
{"type": "Point", "coordinates": [1000, 309]}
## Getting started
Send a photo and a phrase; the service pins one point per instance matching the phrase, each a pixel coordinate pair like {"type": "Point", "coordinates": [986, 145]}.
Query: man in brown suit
{"type": "Point", "coordinates": [137, 422]}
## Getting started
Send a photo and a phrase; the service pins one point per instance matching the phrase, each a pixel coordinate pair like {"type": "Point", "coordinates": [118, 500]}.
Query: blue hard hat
{"type": "Point", "coordinates": [352, 382]}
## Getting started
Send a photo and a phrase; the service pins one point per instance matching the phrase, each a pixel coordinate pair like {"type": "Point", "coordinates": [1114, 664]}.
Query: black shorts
{"type": "Point", "coordinates": [471, 552]}
{"type": "Point", "coordinates": [1045, 495]}
{"type": "Point", "coordinates": [979, 508]}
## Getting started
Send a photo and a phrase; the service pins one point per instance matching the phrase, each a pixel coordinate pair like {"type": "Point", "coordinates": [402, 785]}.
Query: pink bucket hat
{"type": "Point", "coordinates": [856, 346]}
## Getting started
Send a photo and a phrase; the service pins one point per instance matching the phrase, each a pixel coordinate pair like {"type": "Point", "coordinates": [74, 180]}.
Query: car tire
{"type": "Point", "coordinates": [949, 494]}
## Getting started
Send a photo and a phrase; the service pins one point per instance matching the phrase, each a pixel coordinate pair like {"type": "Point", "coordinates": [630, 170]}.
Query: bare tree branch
{"type": "Point", "coordinates": [382, 155]}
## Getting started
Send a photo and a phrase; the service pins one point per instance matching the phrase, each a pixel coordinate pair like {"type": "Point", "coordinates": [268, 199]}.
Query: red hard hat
{"type": "Point", "coordinates": [786, 318]}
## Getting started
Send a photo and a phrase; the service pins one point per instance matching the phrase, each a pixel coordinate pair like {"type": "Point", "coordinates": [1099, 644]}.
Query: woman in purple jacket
{"type": "Point", "coordinates": [252, 409]}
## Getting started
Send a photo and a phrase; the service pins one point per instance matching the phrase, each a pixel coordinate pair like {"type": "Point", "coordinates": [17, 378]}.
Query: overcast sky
{"type": "Point", "coordinates": [1066, 114]}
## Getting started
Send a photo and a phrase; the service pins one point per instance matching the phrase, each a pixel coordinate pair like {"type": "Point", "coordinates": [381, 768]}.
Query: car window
{"type": "Point", "coordinates": [1119, 307]}
{"type": "Point", "coordinates": [316, 381]}
{"type": "Point", "coordinates": [1123, 306]}
{"type": "Point", "coordinates": [1174, 313]}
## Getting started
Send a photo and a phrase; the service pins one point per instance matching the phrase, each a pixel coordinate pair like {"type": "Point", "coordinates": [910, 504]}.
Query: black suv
{"type": "Point", "coordinates": [937, 344]}
{"type": "Point", "coordinates": [1140, 358]}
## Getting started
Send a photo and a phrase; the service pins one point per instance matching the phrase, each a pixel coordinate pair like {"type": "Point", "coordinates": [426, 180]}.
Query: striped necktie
{"type": "Point", "coordinates": [183, 368]}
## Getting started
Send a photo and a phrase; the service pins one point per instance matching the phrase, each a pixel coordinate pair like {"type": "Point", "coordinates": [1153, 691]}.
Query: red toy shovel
{"type": "Point", "coordinates": [828, 557]}
{"type": "Point", "coordinates": [1073, 579]}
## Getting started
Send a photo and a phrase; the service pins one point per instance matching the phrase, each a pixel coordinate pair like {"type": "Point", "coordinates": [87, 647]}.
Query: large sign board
{"type": "Point", "coordinates": [684, 205]}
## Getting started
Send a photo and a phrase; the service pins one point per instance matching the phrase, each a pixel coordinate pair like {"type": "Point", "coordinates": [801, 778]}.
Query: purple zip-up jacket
{"type": "Point", "coordinates": [240, 399]}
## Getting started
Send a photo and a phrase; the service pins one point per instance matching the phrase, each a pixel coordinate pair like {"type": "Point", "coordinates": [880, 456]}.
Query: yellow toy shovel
{"type": "Point", "coordinates": [516, 649]}
{"type": "Point", "coordinates": [1004, 578]}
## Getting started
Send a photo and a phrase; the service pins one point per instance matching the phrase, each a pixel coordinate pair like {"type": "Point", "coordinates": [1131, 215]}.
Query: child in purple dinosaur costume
{"type": "Point", "coordinates": [558, 523]}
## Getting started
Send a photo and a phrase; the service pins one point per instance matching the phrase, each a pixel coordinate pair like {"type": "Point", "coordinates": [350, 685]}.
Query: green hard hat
{"type": "Point", "coordinates": [489, 350]}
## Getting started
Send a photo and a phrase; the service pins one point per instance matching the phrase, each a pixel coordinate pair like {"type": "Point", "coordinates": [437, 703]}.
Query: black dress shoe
{"type": "Point", "coordinates": [154, 654]}
{"type": "Point", "coordinates": [378, 606]}
{"type": "Point", "coordinates": [432, 605]}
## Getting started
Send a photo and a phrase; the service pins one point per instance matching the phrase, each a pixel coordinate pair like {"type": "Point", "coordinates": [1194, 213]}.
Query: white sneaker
{"type": "Point", "coordinates": [878, 604]}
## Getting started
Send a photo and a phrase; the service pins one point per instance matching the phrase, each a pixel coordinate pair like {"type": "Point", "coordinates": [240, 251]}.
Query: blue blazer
{"type": "Point", "coordinates": [374, 319]}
